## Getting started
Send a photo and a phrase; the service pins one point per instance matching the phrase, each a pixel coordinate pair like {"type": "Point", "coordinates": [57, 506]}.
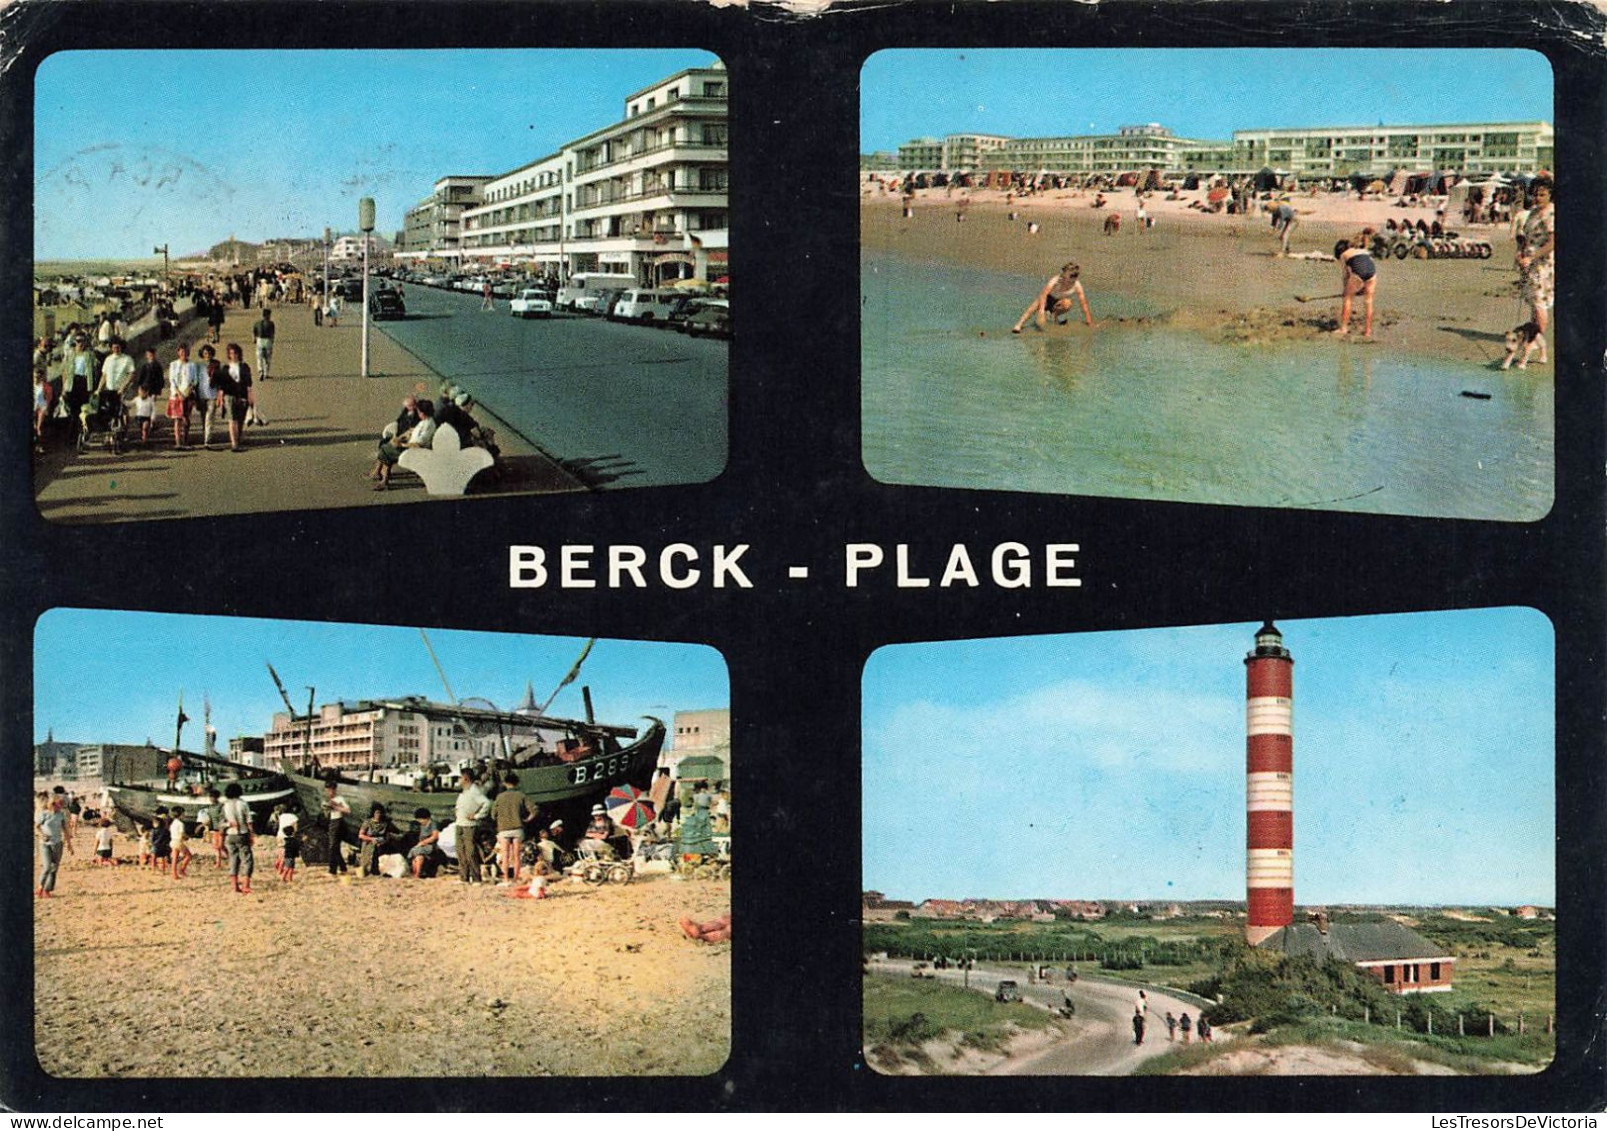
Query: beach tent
{"type": "Point", "coordinates": [1267, 179]}
{"type": "Point", "coordinates": [1191, 182]}
{"type": "Point", "coordinates": [1397, 182]}
{"type": "Point", "coordinates": [1457, 198]}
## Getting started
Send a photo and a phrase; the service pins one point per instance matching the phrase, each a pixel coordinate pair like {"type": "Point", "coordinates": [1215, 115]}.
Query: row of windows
{"type": "Point", "coordinates": [1411, 973]}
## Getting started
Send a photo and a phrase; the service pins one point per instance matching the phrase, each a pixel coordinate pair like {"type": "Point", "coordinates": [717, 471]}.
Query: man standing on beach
{"type": "Point", "coordinates": [472, 805]}
{"type": "Point", "coordinates": [335, 812]}
{"type": "Point", "coordinates": [263, 331]}
{"type": "Point", "coordinates": [1284, 223]}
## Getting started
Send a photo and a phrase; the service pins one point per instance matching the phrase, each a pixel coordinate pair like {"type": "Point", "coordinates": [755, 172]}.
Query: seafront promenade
{"type": "Point", "coordinates": [324, 421]}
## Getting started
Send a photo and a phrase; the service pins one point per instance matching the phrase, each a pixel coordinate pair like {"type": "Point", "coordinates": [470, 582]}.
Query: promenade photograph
{"type": "Point", "coordinates": [423, 274]}
{"type": "Point", "coordinates": [1306, 847]}
{"type": "Point", "coordinates": [371, 851]}
{"type": "Point", "coordinates": [1250, 278]}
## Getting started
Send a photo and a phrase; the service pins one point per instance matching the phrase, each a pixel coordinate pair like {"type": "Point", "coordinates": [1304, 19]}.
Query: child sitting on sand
{"type": "Point", "coordinates": [103, 842]}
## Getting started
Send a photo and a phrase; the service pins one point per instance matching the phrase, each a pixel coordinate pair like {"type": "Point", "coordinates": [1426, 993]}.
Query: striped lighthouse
{"type": "Point", "coordinates": [1269, 791]}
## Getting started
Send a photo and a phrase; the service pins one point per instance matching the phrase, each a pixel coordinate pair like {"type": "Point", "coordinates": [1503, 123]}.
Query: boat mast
{"type": "Point", "coordinates": [178, 730]}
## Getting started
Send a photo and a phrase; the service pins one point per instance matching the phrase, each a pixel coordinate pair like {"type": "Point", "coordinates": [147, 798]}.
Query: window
{"type": "Point", "coordinates": [714, 90]}
{"type": "Point", "coordinates": [1433, 971]}
{"type": "Point", "coordinates": [713, 179]}
{"type": "Point", "coordinates": [1389, 975]}
{"type": "Point", "coordinates": [714, 134]}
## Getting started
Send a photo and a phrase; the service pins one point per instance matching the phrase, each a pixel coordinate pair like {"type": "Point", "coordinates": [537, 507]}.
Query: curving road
{"type": "Point", "coordinates": [618, 404]}
{"type": "Point", "coordinates": [1101, 1042]}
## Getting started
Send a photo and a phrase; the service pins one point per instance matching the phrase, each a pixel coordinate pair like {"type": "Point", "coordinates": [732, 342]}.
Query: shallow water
{"type": "Point", "coordinates": [952, 399]}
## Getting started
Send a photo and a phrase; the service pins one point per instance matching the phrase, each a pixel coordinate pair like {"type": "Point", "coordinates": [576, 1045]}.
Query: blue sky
{"type": "Point", "coordinates": [1201, 93]}
{"type": "Point", "coordinates": [263, 144]}
{"type": "Point", "coordinates": [137, 663]}
{"type": "Point", "coordinates": [1111, 765]}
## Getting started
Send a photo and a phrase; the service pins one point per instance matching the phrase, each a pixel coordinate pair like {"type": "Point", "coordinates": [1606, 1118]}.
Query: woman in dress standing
{"type": "Point", "coordinates": [1536, 263]}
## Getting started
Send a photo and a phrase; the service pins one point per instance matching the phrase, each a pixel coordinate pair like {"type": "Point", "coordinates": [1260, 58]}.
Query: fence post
{"type": "Point", "coordinates": [1397, 1019]}
{"type": "Point", "coordinates": [1492, 1024]}
{"type": "Point", "coordinates": [1548, 1023]}
{"type": "Point", "coordinates": [1367, 1014]}
{"type": "Point", "coordinates": [1461, 1026]}
{"type": "Point", "coordinates": [1431, 1022]}
{"type": "Point", "coordinates": [1520, 1023]}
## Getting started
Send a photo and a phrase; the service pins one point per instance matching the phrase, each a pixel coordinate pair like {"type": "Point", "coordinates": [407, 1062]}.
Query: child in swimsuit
{"type": "Point", "coordinates": [1359, 276]}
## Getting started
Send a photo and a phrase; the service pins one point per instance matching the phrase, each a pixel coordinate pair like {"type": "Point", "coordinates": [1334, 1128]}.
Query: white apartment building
{"type": "Point", "coordinates": [1468, 149]}
{"type": "Point", "coordinates": [646, 197]}
{"type": "Point", "coordinates": [410, 731]}
{"type": "Point", "coordinates": [434, 226]}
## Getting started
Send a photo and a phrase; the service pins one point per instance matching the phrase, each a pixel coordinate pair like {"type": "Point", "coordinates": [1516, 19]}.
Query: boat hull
{"type": "Point", "coordinates": [563, 791]}
{"type": "Point", "coordinates": [137, 804]}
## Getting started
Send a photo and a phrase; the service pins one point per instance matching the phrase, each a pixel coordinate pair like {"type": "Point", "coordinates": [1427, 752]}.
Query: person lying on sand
{"type": "Point", "coordinates": [1055, 298]}
{"type": "Point", "coordinates": [715, 930]}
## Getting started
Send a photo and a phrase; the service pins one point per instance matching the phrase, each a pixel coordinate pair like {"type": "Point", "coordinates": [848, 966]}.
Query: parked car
{"type": "Point", "coordinates": [531, 303]}
{"type": "Point", "coordinates": [504, 288]}
{"type": "Point", "coordinates": [1007, 991]}
{"type": "Point", "coordinates": [609, 303]}
{"type": "Point", "coordinates": [684, 308]}
{"type": "Point", "coordinates": [713, 317]}
{"type": "Point", "coordinates": [921, 970]}
{"type": "Point", "coordinates": [349, 289]}
{"type": "Point", "coordinates": [644, 305]}
{"type": "Point", "coordinates": [386, 304]}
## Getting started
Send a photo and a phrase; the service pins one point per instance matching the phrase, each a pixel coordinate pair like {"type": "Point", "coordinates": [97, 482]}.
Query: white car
{"type": "Point", "coordinates": [531, 304]}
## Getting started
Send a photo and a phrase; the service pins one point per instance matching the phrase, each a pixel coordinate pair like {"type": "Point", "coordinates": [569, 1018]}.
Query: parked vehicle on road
{"type": "Point", "coordinates": [531, 303]}
{"type": "Point", "coordinates": [713, 318]}
{"type": "Point", "coordinates": [644, 305]}
{"type": "Point", "coordinates": [586, 290]}
{"type": "Point", "coordinates": [1007, 991]}
{"type": "Point", "coordinates": [684, 308]}
{"type": "Point", "coordinates": [921, 970]}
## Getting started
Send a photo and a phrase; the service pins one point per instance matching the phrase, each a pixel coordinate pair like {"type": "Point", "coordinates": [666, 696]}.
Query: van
{"type": "Point", "coordinates": [644, 306]}
{"type": "Point", "coordinates": [587, 290]}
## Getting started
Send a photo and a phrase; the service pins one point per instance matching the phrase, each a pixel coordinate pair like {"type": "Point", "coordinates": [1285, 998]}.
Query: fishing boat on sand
{"type": "Point", "coordinates": [563, 781]}
{"type": "Point", "coordinates": [142, 779]}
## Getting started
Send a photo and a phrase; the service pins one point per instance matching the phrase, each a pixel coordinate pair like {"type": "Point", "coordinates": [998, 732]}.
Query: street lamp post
{"type": "Point", "coordinates": [365, 221]}
{"type": "Point", "coordinates": [325, 298]}
{"type": "Point", "coordinates": [163, 250]}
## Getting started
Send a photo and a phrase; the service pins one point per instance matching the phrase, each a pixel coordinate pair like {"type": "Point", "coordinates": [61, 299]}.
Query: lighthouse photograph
{"type": "Point", "coordinates": [1282, 847]}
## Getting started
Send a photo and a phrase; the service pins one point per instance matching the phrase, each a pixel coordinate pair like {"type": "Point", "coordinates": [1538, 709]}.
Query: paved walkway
{"type": "Point", "coordinates": [315, 452]}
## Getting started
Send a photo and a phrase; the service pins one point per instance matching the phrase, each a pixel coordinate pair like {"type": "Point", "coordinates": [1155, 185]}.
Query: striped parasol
{"type": "Point", "coordinates": [629, 807]}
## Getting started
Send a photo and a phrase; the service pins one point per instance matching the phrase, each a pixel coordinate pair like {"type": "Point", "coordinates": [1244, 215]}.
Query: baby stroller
{"type": "Point", "coordinates": [98, 417]}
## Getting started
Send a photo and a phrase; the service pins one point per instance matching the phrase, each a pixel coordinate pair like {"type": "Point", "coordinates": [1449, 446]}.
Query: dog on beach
{"type": "Point", "coordinates": [1113, 223]}
{"type": "Point", "coordinates": [1521, 342]}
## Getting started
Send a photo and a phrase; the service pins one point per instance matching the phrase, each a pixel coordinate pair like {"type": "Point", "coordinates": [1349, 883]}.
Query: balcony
{"type": "Point", "coordinates": [581, 166]}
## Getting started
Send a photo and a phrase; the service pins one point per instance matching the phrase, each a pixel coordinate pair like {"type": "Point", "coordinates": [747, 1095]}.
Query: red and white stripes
{"type": "Point", "coordinates": [1269, 792]}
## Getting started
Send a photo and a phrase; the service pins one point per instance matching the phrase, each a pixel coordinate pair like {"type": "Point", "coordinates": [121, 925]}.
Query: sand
{"type": "Point", "coordinates": [140, 975]}
{"type": "Point", "coordinates": [1218, 275]}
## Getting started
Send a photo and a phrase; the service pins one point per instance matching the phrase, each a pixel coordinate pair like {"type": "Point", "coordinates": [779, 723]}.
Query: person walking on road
{"type": "Point", "coordinates": [1138, 1027]}
{"type": "Point", "coordinates": [263, 331]}
{"type": "Point", "coordinates": [1184, 1024]}
{"type": "Point", "coordinates": [486, 302]}
{"type": "Point", "coordinates": [1171, 1026]}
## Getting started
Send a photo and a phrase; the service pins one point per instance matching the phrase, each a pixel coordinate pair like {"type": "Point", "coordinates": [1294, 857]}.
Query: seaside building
{"type": "Point", "coordinates": [409, 732]}
{"type": "Point", "coordinates": [705, 736]}
{"type": "Point", "coordinates": [1403, 960]}
{"type": "Point", "coordinates": [55, 759]}
{"type": "Point", "coordinates": [433, 228]}
{"type": "Point", "coordinates": [646, 197]}
{"type": "Point", "coordinates": [1466, 149]}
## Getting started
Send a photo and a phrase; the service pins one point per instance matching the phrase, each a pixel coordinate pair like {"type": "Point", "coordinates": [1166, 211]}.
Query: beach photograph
{"type": "Point", "coordinates": [1302, 278]}
{"type": "Point", "coordinates": [352, 278]}
{"type": "Point", "coordinates": [296, 849]}
{"type": "Point", "coordinates": [1296, 847]}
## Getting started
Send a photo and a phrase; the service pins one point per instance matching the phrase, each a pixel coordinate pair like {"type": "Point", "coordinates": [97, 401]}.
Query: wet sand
{"type": "Point", "coordinates": [140, 975]}
{"type": "Point", "coordinates": [1218, 275]}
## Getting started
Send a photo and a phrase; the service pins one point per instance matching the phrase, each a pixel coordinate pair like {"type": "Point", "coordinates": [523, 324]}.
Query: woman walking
{"type": "Point", "coordinates": [234, 381]}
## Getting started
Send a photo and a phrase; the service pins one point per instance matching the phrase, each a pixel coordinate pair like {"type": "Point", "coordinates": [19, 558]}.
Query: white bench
{"type": "Point", "coordinates": [446, 466]}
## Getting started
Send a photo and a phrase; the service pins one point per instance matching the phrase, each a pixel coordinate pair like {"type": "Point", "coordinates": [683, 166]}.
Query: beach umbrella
{"type": "Point", "coordinates": [629, 806]}
{"type": "Point", "coordinates": [1217, 195]}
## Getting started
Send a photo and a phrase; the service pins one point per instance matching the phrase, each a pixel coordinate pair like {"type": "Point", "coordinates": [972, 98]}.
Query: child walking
{"type": "Point", "coordinates": [161, 841]}
{"type": "Point", "coordinates": [290, 848]}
